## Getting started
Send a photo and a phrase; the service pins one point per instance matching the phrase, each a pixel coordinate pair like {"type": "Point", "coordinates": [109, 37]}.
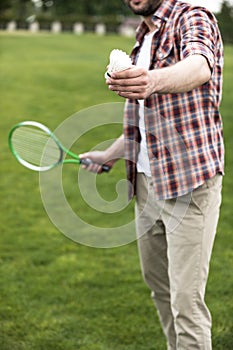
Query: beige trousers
{"type": "Point", "coordinates": [175, 240]}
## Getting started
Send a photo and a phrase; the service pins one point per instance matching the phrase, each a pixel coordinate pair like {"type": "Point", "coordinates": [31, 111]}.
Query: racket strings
{"type": "Point", "coordinates": [35, 146]}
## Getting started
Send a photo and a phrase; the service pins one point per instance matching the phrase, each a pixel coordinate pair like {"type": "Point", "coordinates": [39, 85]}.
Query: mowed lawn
{"type": "Point", "coordinates": [56, 294]}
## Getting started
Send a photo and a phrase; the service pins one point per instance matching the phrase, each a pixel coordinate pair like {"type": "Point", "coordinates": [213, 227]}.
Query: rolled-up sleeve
{"type": "Point", "coordinates": [198, 32]}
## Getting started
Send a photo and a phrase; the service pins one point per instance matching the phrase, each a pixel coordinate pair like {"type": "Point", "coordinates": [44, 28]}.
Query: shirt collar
{"type": "Point", "coordinates": [162, 14]}
{"type": "Point", "coordinates": [165, 9]}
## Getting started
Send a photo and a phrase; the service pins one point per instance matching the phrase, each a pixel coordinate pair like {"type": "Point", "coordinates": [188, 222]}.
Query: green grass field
{"type": "Point", "coordinates": [57, 294]}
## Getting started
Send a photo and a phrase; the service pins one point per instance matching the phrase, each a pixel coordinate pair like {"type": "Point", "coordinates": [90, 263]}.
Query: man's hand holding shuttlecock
{"type": "Point", "coordinates": [126, 79]}
{"type": "Point", "coordinates": [119, 61]}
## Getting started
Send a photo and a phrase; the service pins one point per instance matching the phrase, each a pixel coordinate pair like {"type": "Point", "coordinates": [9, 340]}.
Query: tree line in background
{"type": "Point", "coordinates": [65, 7]}
{"type": "Point", "coordinates": [88, 12]}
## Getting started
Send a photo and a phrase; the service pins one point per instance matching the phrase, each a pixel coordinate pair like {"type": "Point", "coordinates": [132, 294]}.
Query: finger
{"type": "Point", "coordinates": [139, 81]}
{"type": "Point", "coordinates": [134, 83]}
{"type": "Point", "coordinates": [93, 168]}
{"type": "Point", "coordinates": [126, 88]}
{"type": "Point", "coordinates": [130, 92]}
{"type": "Point", "coordinates": [132, 95]}
{"type": "Point", "coordinates": [84, 155]}
{"type": "Point", "coordinates": [88, 158]}
{"type": "Point", "coordinates": [128, 73]}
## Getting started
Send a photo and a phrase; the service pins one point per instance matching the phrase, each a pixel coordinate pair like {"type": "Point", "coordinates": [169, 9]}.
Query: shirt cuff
{"type": "Point", "coordinates": [194, 48]}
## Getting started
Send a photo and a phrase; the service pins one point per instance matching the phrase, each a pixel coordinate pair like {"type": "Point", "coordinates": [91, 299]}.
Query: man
{"type": "Point", "coordinates": [172, 96]}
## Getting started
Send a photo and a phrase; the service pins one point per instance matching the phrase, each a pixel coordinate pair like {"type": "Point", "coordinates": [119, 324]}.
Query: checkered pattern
{"type": "Point", "coordinates": [184, 131]}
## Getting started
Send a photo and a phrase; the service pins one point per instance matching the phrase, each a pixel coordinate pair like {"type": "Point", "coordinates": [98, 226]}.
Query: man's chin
{"type": "Point", "coordinates": [142, 9]}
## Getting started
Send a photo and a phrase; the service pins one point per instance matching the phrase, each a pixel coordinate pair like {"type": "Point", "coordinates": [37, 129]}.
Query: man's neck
{"type": "Point", "coordinates": [150, 23]}
{"type": "Point", "coordinates": [149, 19]}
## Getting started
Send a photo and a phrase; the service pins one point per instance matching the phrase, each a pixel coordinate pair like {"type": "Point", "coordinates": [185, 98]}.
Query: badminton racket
{"type": "Point", "coordinates": [36, 147]}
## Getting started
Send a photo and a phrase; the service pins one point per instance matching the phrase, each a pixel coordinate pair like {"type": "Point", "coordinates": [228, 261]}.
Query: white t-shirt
{"type": "Point", "coordinates": [143, 164]}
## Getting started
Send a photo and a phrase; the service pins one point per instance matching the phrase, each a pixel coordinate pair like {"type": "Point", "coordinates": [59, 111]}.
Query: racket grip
{"type": "Point", "coordinates": [106, 168]}
{"type": "Point", "coordinates": [88, 161]}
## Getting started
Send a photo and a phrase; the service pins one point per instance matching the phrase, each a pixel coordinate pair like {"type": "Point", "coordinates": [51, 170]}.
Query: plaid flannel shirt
{"type": "Point", "coordinates": [183, 131]}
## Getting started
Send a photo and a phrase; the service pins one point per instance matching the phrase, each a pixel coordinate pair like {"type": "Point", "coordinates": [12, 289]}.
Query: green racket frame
{"type": "Point", "coordinates": [76, 159]}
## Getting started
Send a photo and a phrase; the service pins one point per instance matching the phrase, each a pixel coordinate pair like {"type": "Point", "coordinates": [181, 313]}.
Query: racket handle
{"type": "Point", "coordinates": [88, 161]}
{"type": "Point", "coordinates": [106, 168]}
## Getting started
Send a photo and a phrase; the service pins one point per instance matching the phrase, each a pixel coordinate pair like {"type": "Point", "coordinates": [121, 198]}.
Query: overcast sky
{"type": "Point", "coordinates": [212, 5]}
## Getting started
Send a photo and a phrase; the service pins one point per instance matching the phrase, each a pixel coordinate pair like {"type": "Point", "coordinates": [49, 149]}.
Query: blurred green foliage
{"type": "Point", "coordinates": [112, 13]}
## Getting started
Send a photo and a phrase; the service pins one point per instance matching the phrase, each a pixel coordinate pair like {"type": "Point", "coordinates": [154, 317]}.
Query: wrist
{"type": "Point", "coordinates": [110, 156]}
{"type": "Point", "coordinates": [154, 81]}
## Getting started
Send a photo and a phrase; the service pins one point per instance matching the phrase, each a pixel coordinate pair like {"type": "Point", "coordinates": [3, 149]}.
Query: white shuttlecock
{"type": "Point", "coordinates": [119, 61]}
